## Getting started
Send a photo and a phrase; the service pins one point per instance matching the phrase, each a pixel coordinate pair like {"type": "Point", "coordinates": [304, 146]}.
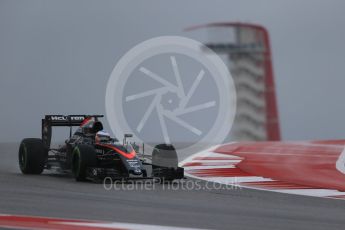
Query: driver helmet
{"type": "Point", "coordinates": [102, 137]}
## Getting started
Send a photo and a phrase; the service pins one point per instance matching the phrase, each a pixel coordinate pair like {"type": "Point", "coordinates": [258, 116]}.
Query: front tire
{"type": "Point", "coordinates": [83, 157]}
{"type": "Point", "coordinates": [32, 156]}
{"type": "Point", "coordinates": [165, 163]}
{"type": "Point", "coordinates": [164, 155]}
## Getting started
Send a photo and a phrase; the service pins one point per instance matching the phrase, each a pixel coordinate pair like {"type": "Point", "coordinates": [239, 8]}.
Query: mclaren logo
{"type": "Point", "coordinates": [63, 118]}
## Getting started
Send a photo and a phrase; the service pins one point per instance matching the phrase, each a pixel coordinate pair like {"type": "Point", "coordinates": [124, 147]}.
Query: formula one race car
{"type": "Point", "coordinates": [90, 153]}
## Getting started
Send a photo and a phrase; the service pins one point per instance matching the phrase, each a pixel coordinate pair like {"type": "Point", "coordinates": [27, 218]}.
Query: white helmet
{"type": "Point", "coordinates": [102, 136]}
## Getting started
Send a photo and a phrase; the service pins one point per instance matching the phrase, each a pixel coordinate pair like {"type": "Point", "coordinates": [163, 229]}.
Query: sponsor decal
{"type": "Point", "coordinates": [99, 151]}
{"type": "Point", "coordinates": [65, 118]}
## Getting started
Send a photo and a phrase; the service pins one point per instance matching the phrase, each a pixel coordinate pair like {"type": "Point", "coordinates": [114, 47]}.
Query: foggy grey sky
{"type": "Point", "coordinates": [56, 56]}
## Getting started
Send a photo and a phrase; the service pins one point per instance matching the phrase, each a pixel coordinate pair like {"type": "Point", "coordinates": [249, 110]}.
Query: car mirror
{"type": "Point", "coordinates": [127, 135]}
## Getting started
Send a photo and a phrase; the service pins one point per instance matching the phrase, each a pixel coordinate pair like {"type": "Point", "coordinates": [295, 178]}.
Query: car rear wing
{"type": "Point", "coordinates": [50, 121]}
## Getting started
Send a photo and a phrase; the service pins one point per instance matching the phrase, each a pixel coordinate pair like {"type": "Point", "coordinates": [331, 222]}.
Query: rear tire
{"type": "Point", "coordinates": [83, 157]}
{"type": "Point", "coordinates": [32, 156]}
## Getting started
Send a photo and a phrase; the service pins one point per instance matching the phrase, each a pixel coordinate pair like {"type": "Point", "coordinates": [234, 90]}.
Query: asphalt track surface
{"type": "Point", "coordinates": [52, 195]}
